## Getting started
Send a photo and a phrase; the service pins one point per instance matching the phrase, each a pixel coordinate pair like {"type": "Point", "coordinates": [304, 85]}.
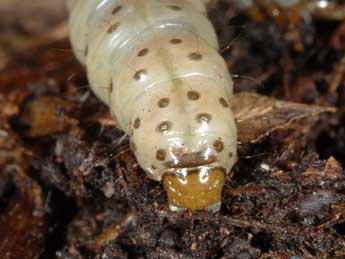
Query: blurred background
{"type": "Point", "coordinates": [21, 22]}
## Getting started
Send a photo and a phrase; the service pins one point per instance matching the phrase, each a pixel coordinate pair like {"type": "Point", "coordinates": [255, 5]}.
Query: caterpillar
{"type": "Point", "coordinates": [155, 63]}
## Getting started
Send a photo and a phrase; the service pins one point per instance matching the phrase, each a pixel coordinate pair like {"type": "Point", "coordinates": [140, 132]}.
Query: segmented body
{"type": "Point", "coordinates": [155, 64]}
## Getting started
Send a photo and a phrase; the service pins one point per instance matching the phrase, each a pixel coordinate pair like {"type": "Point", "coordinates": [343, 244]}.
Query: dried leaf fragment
{"type": "Point", "coordinates": [257, 116]}
{"type": "Point", "coordinates": [46, 115]}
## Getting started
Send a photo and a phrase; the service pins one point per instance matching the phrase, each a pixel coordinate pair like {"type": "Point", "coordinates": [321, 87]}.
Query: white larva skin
{"type": "Point", "coordinates": [155, 64]}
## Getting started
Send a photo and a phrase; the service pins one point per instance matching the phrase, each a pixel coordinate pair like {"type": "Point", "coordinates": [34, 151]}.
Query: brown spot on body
{"type": "Point", "coordinates": [164, 102]}
{"type": "Point", "coordinates": [136, 123]}
{"type": "Point", "coordinates": [218, 146]}
{"type": "Point", "coordinates": [111, 87]}
{"type": "Point", "coordinates": [161, 154]}
{"type": "Point", "coordinates": [231, 154]}
{"type": "Point", "coordinates": [223, 102]}
{"type": "Point", "coordinates": [139, 74]}
{"type": "Point", "coordinates": [113, 28]}
{"type": "Point", "coordinates": [204, 117]}
{"type": "Point", "coordinates": [86, 51]}
{"type": "Point", "coordinates": [164, 126]}
{"type": "Point", "coordinates": [143, 52]}
{"type": "Point", "coordinates": [153, 167]}
{"type": "Point", "coordinates": [116, 9]}
{"type": "Point", "coordinates": [195, 56]}
{"type": "Point", "coordinates": [175, 41]}
{"type": "Point", "coordinates": [193, 95]}
{"type": "Point", "coordinates": [175, 7]}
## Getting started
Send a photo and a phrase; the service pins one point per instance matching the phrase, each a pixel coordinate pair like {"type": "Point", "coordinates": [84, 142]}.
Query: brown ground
{"type": "Point", "coordinates": [70, 187]}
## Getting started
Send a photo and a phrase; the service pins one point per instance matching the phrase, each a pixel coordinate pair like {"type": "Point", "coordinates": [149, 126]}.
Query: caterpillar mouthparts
{"type": "Point", "coordinates": [194, 180]}
{"type": "Point", "coordinates": [195, 189]}
{"type": "Point", "coordinates": [155, 64]}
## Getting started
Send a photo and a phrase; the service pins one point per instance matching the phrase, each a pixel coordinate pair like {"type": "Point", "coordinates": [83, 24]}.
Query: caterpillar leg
{"type": "Point", "coordinates": [199, 189]}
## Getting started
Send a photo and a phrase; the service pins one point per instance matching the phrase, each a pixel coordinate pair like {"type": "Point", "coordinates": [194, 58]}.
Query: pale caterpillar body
{"type": "Point", "coordinates": [155, 64]}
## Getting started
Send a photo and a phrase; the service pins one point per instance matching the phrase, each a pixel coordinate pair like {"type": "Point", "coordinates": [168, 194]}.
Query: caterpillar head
{"type": "Point", "coordinates": [185, 135]}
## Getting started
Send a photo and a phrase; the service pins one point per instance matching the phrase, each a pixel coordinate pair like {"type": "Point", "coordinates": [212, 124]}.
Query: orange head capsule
{"type": "Point", "coordinates": [196, 190]}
